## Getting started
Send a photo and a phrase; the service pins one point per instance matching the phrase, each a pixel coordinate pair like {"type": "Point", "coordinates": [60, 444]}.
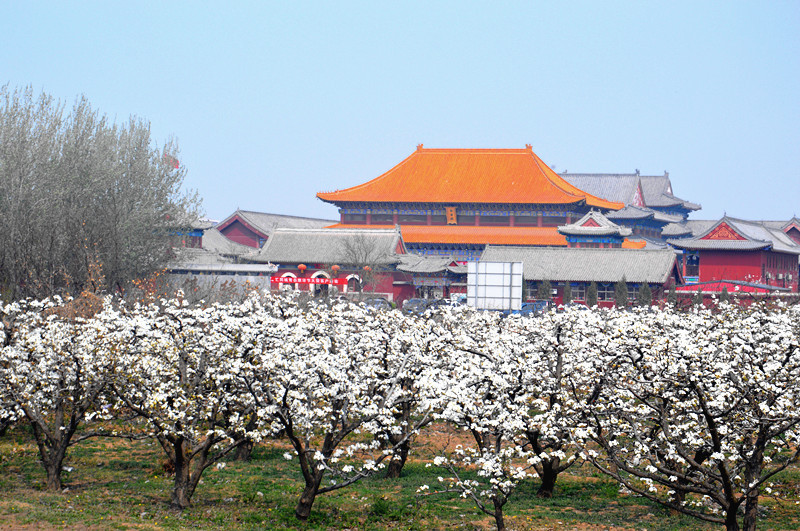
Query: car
{"type": "Point", "coordinates": [377, 303]}
{"type": "Point", "coordinates": [460, 300]}
{"type": "Point", "coordinates": [529, 308]}
{"type": "Point", "coordinates": [417, 306]}
{"type": "Point", "coordinates": [436, 303]}
{"type": "Point", "coordinates": [573, 306]}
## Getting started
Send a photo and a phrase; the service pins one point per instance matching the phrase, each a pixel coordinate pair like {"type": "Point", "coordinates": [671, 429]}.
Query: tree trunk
{"type": "Point", "coordinates": [498, 513]}
{"type": "Point", "coordinates": [752, 474]}
{"type": "Point", "coordinates": [52, 456]}
{"type": "Point", "coordinates": [243, 451]}
{"type": "Point", "coordinates": [53, 468]}
{"type": "Point", "coordinates": [303, 509]}
{"type": "Point", "coordinates": [750, 511]}
{"type": "Point", "coordinates": [548, 475]}
{"type": "Point", "coordinates": [678, 497]}
{"type": "Point", "coordinates": [396, 463]}
{"type": "Point", "coordinates": [181, 492]}
{"type": "Point", "coordinates": [731, 523]}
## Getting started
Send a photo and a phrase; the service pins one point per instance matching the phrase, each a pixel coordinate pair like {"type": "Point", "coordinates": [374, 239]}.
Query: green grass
{"type": "Point", "coordinates": [117, 484]}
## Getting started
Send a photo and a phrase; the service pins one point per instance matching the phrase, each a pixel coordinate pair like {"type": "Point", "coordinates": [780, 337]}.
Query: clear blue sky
{"type": "Point", "coordinates": [272, 102]}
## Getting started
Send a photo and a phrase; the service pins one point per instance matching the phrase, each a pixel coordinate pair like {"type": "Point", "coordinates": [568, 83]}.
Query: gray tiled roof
{"type": "Point", "coordinates": [587, 265]}
{"type": "Point", "coordinates": [611, 186]}
{"type": "Point", "coordinates": [604, 227]}
{"type": "Point", "coordinates": [758, 231]}
{"type": "Point", "coordinates": [215, 241]}
{"type": "Point", "coordinates": [188, 255]}
{"type": "Point", "coordinates": [657, 192]}
{"type": "Point", "coordinates": [266, 223]}
{"type": "Point", "coordinates": [635, 212]}
{"type": "Point", "coordinates": [758, 234]}
{"type": "Point", "coordinates": [656, 189]}
{"type": "Point", "coordinates": [719, 245]}
{"type": "Point", "coordinates": [691, 227]}
{"type": "Point", "coordinates": [412, 263]}
{"type": "Point", "coordinates": [782, 225]}
{"type": "Point", "coordinates": [330, 246]}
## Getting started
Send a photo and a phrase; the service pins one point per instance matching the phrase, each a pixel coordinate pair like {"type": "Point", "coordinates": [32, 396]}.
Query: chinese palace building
{"type": "Point", "coordinates": [408, 233]}
{"type": "Point", "coordinates": [454, 202]}
{"type": "Point", "coordinates": [762, 253]}
{"type": "Point", "coordinates": [650, 204]}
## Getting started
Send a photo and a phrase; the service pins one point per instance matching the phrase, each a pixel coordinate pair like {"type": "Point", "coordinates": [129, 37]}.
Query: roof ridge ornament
{"type": "Point", "coordinates": [529, 147]}
{"type": "Point", "coordinates": [419, 147]}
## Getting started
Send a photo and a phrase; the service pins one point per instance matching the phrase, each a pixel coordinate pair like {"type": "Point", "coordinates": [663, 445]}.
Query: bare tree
{"type": "Point", "coordinates": [77, 188]}
{"type": "Point", "coordinates": [365, 255]}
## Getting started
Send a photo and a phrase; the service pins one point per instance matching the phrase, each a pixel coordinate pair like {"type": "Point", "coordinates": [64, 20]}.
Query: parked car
{"type": "Point", "coordinates": [417, 306]}
{"type": "Point", "coordinates": [436, 303]}
{"type": "Point", "coordinates": [573, 305]}
{"type": "Point", "coordinates": [377, 303]}
{"type": "Point", "coordinates": [529, 308]}
{"type": "Point", "coordinates": [460, 300]}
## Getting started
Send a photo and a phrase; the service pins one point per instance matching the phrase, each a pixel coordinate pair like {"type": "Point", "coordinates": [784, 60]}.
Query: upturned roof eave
{"type": "Point", "coordinates": [694, 244]}
{"type": "Point", "coordinates": [572, 194]}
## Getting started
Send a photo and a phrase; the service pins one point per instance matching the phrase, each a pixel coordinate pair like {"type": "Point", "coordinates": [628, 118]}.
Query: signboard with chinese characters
{"type": "Point", "coordinates": [318, 280]}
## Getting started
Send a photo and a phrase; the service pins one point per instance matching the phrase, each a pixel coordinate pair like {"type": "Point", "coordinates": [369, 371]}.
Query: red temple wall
{"type": "Point", "coordinates": [238, 233]}
{"type": "Point", "coordinates": [730, 265]}
{"type": "Point", "coordinates": [747, 266]}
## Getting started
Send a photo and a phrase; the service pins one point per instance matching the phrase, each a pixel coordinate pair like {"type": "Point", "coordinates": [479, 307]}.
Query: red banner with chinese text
{"type": "Point", "coordinates": [318, 280]}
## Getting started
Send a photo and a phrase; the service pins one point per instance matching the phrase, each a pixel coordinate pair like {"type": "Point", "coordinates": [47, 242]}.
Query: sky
{"type": "Point", "coordinates": [272, 102]}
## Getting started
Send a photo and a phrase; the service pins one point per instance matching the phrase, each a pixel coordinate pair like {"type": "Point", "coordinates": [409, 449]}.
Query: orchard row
{"type": "Point", "coordinates": [694, 410]}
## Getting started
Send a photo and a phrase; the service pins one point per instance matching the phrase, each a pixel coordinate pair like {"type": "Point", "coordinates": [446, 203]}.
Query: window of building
{"type": "Point", "coordinates": [496, 221]}
{"type": "Point", "coordinates": [354, 219]}
{"type": "Point", "coordinates": [692, 264]}
{"type": "Point", "coordinates": [530, 290]}
{"type": "Point", "coordinates": [578, 291]}
{"type": "Point", "coordinates": [382, 219]}
{"type": "Point", "coordinates": [438, 220]}
{"type": "Point", "coordinates": [605, 292]}
{"type": "Point", "coordinates": [468, 219]}
{"type": "Point", "coordinates": [553, 221]}
{"type": "Point", "coordinates": [412, 219]}
{"type": "Point", "coordinates": [526, 221]}
{"type": "Point", "coordinates": [633, 292]}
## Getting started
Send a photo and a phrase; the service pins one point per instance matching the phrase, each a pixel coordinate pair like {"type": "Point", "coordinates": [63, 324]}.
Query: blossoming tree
{"type": "Point", "coordinates": [54, 372]}
{"type": "Point", "coordinates": [698, 410]}
{"type": "Point", "coordinates": [179, 373]}
{"type": "Point", "coordinates": [321, 375]}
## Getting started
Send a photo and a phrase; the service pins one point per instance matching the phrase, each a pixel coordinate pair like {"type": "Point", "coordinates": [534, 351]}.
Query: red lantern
{"type": "Point", "coordinates": [335, 269]}
{"type": "Point", "coordinates": [302, 268]}
{"type": "Point", "coordinates": [367, 269]}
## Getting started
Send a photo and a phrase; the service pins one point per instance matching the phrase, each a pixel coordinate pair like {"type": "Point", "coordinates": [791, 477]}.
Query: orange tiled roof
{"type": "Point", "coordinates": [634, 244]}
{"type": "Point", "coordinates": [515, 176]}
{"type": "Point", "coordinates": [465, 234]}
